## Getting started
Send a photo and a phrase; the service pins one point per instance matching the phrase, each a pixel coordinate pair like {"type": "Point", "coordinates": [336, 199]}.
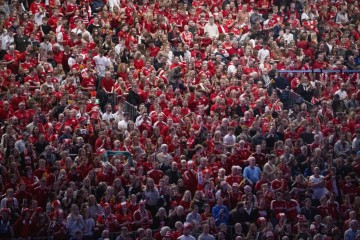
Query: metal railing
{"type": "Point", "coordinates": [296, 99]}
{"type": "Point", "coordinates": [132, 110]}
{"type": "Point", "coordinates": [114, 100]}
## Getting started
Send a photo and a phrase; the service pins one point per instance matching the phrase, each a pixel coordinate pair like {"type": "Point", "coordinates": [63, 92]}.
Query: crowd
{"type": "Point", "coordinates": [160, 119]}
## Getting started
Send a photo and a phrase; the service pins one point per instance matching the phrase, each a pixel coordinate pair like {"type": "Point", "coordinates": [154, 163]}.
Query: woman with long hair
{"type": "Point", "coordinates": [161, 219]}
{"type": "Point", "coordinates": [151, 194]}
{"type": "Point", "coordinates": [186, 201]}
{"type": "Point", "coordinates": [136, 188]}
{"type": "Point", "coordinates": [75, 222]}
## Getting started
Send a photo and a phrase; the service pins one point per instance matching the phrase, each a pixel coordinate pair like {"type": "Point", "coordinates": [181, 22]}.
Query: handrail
{"type": "Point", "coordinates": [298, 95]}
{"type": "Point", "coordinates": [128, 107]}
{"type": "Point", "coordinates": [132, 106]}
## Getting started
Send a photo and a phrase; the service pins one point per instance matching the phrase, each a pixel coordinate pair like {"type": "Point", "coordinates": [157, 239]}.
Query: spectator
{"type": "Point", "coordinates": [211, 28]}
{"type": "Point", "coordinates": [186, 233]}
{"type": "Point", "coordinates": [342, 147]}
{"type": "Point", "coordinates": [220, 212]}
{"type": "Point", "coordinates": [252, 172]}
{"type": "Point", "coordinates": [353, 232]}
{"type": "Point", "coordinates": [199, 79]}
{"type": "Point", "coordinates": [317, 183]}
{"type": "Point", "coordinates": [75, 222]}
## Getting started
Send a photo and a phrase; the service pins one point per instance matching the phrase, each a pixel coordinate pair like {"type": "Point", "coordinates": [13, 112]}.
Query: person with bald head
{"type": "Point", "coordinates": [318, 184]}
{"type": "Point", "coordinates": [252, 172]}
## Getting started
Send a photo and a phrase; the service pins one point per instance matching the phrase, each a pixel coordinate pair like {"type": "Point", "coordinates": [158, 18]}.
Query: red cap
{"type": "Point", "coordinates": [39, 209]}
{"type": "Point", "coordinates": [25, 210]}
{"type": "Point", "coordinates": [81, 119]}
{"type": "Point", "coordinates": [101, 151]}
{"type": "Point", "coordinates": [174, 203]}
{"type": "Point", "coordinates": [261, 220]}
{"type": "Point", "coordinates": [55, 203]}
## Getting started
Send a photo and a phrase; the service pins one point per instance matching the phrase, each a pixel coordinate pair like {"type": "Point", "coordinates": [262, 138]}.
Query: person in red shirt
{"type": "Point", "coordinates": [37, 6]}
{"type": "Point", "coordinates": [108, 220]}
{"type": "Point", "coordinates": [138, 61]}
{"type": "Point", "coordinates": [41, 193]}
{"type": "Point", "coordinates": [242, 154]}
{"type": "Point", "coordinates": [107, 83]}
{"type": "Point", "coordinates": [124, 216]}
{"type": "Point", "coordinates": [190, 178]}
{"type": "Point", "coordinates": [155, 173]}
{"type": "Point", "coordinates": [234, 177]}
{"type": "Point", "coordinates": [11, 59]}
{"type": "Point", "coordinates": [259, 156]}
{"type": "Point", "coordinates": [142, 217]}
{"type": "Point", "coordinates": [278, 205]}
{"type": "Point", "coordinates": [107, 174]}
{"type": "Point", "coordinates": [292, 207]}
{"type": "Point", "coordinates": [23, 226]}
{"type": "Point", "coordinates": [323, 209]}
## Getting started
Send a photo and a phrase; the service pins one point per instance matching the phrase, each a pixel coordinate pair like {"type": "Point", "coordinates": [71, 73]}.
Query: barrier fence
{"type": "Point", "coordinates": [296, 99]}
{"type": "Point", "coordinates": [114, 100]}
{"type": "Point", "coordinates": [132, 110]}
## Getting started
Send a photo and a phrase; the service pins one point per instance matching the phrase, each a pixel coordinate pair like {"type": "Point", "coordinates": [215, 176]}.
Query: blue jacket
{"type": "Point", "coordinates": [218, 216]}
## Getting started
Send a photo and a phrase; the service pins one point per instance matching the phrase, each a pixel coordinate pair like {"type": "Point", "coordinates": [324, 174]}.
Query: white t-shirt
{"type": "Point", "coordinates": [122, 125]}
{"type": "Point", "coordinates": [212, 30]}
{"type": "Point", "coordinates": [107, 116]}
{"type": "Point", "coordinates": [288, 37]}
{"type": "Point", "coordinates": [318, 192]}
{"type": "Point", "coordinates": [342, 94]}
{"type": "Point", "coordinates": [100, 64]}
{"type": "Point", "coordinates": [189, 237]}
{"type": "Point", "coordinates": [262, 54]}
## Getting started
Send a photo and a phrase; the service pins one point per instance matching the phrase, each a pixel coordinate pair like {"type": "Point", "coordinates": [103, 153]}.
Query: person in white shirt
{"type": "Point", "coordinates": [119, 47]}
{"type": "Point", "coordinates": [194, 216]}
{"type": "Point", "coordinates": [232, 68]}
{"type": "Point", "coordinates": [186, 233]}
{"type": "Point", "coordinates": [142, 118]}
{"type": "Point", "coordinates": [108, 115]}
{"type": "Point", "coordinates": [342, 92]}
{"type": "Point", "coordinates": [288, 36]}
{"type": "Point", "coordinates": [113, 3]}
{"type": "Point", "coordinates": [263, 53]}
{"type": "Point", "coordinates": [342, 16]}
{"type": "Point", "coordinates": [119, 114]}
{"type": "Point", "coordinates": [46, 45]}
{"type": "Point", "coordinates": [211, 28]}
{"type": "Point", "coordinates": [38, 17]}
{"type": "Point", "coordinates": [229, 139]}
{"type": "Point", "coordinates": [7, 39]}
{"type": "Point", "coordinates": [101, 63]}
{"type": "Point", "coordinates": [206, 235]}
{"type": "Point", "coordinates": [122, 125]}
{"type": "Point", "coordinates": [317, 183]}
